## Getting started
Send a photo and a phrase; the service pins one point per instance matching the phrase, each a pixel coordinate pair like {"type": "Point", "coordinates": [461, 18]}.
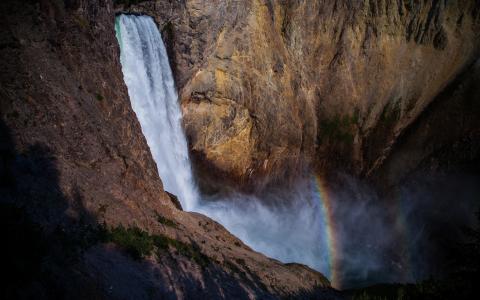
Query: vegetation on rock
{"type": "Point", "coordinates": [167, 222]}
{"type": "Point", "coordinates": [339, 128]}
{"type": "Point", "coordinates": [140, 244]}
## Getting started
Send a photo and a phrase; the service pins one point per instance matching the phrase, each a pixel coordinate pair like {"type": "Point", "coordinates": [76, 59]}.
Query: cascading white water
{"type": "Point", "coordinates": [277, 232]}
{"type": "Point", "coordinates": [292, 232]}
{"type": "Point", "coordinates": [151, 88]}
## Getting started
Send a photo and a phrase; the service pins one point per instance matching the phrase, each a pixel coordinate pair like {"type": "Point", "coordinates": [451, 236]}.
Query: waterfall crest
{"type": "Point", "coordinates": [151, 88]}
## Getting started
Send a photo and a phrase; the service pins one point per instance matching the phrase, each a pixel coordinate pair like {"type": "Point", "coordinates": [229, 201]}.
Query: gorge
{"type": "Point", "coordinates": [239, 149]}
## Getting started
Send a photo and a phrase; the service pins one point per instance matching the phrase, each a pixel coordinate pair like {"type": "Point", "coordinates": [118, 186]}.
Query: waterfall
{"type": "Point", "coordinates": [154, 99]}
{"type": "Point", "coordinates": [291, 233]}
{"type": "Point", "coordinates": [345, 232]}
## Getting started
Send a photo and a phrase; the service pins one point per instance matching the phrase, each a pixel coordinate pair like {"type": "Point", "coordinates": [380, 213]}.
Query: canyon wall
{"type": "Point", "coordinates": [269, 86]}
{"type": "Point", "coordinates": [266, 87]}
{"type": "Point", "coordinates": [73, 156]}
{"type": "Point", "coordinates": [445, 140]}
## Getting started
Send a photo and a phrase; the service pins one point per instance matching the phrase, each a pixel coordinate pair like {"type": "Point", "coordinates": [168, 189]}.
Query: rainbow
{"type": "Point", "coordinates": [322, 196]}
{"type": "Point", "coordinates": [403, 231]}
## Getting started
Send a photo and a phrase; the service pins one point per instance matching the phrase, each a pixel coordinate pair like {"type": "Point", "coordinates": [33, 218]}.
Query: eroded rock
{"type": "Point", "coordinates": [73, 157]}
{"type": "Point", "coordinates": [333, 82]}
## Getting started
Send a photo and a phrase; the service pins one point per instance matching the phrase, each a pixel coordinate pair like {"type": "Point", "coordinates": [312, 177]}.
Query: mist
{"type": "Point", "coordinates": [346, 229]}
{"type": "Point", "coordinates": [395, 238]}
{"type": "Point", "coordinates": [286, 225]}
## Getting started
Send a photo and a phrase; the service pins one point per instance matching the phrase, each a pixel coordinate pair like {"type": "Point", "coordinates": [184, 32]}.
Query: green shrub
{"type": "Point", "coordinates": [139, 244]}
{"type": "Point", "coordinates": [99, 97]}
{"type": "Point", "coordinates": [191, 251]}
{"type": "Point", "coordinates": [136, 242]}
{"type": "Point", "coordinates": [338, 128]}
{"type": "Point", "coordinates": [167, 222]}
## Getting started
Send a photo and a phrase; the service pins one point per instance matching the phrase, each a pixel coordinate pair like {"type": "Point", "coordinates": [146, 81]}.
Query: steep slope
{"type": "Point", "coordinates": [444, 139]}
{"type": "Point", "coordinates": [268, 86]}
{"type": "Point", "coordinates": [73, 156]}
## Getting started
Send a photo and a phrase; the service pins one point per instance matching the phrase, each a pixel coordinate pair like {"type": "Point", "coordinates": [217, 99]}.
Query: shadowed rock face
{"type": "Point", "coordinates": [445, 139]}
{"type": "Point", "coordinates": [267, 86]}
{"type": "Point", "coordinates": [73, 155]}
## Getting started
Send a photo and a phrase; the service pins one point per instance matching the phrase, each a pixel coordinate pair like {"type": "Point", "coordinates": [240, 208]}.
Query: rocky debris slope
{"type": "Point", "coordinates": [73, 156]}
{"type": "Point", "coordinates": [269, 85]}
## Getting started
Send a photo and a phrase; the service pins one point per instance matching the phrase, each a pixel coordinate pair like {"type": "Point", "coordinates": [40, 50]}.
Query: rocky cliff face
{"type": "Point", "coordinates": [445, 139]}
{"type": "Point", "coordinates": [267, 86]}
{"type": "Point", "coordinates": [73, 156]}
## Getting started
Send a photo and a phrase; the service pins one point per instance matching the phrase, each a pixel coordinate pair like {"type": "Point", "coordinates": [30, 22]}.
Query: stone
{"type": "Point", "coordinates": [317, 79]}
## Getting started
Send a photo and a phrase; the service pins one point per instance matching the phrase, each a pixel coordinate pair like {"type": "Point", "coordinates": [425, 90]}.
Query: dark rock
{"type": "Point", "coordinates": [174, 200]}
{"type": "Point", "coordinates": [74, 160]}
